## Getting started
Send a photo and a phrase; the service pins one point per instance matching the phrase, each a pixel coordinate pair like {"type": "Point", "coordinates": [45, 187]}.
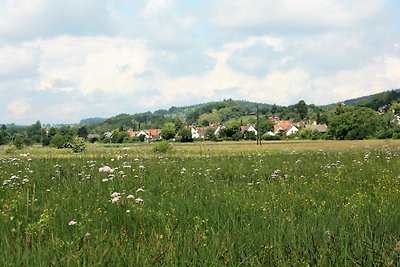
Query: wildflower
{"type": "Point", "coordinates": [128, 211]}
{"type": "Point", "coordinates": [72, 222]}
{"type": "Point", "coordinates": [106, 168]}
{"type": "Point", "coordinates": [139, 200]}
{"type": "Point", "coordinates": [298, 162]}
{"type": "Point", "coordinates": [141, 167]}
{"type": "Point", "coordinates": [115, 199]}
{"type": "Point", "coordinates": [130, 197]}
{"type": "Point", "coordinates": [104, 180]}
{"type": "Point", "coordinates": [116, 194]}
{"type": "Point", "coordinates": [139, 190]}
{"type": "Point", "coordinates": [397, 248]}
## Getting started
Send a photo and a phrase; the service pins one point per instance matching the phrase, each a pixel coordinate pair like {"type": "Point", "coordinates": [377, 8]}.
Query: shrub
{"type": "Point", "coordinates": [162, 147]}
{"type": "Point", "coordinates": [78, 144]}
{"type": "Point", "coordinates": [19, 142]}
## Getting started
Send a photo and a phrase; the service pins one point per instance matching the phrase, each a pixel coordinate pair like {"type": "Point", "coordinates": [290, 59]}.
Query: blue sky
{"type": "Point", "coordinates": [62, 61]}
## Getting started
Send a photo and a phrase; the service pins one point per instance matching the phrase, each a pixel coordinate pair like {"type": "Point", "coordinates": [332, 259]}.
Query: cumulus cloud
{"type": "Point", "coordinates": [281, 16]}
{"type": "Point", "coordinates": [31, 19]}
{"type": "Point", "coordinates": [18, 108]}
{"type": "Point", "coordinates": [18, 61]}
{"type": "Point", "coordinates": [71, 59]}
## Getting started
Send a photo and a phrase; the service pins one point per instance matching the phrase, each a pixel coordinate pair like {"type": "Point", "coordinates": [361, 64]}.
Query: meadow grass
{"type": "Point", "coordinates": [204, 204]}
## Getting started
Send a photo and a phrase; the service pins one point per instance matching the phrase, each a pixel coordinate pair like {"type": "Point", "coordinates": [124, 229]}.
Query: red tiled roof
{"type": "Point", "coordinates": [285, 125]}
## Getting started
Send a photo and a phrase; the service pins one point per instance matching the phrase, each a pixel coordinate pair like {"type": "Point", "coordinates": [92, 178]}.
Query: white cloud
{"type": "Point", "coordinates": [92, 63]}
{"type": "Point", "coordinates": [18, 108]}
{"type": "Point", "coordinates": [71, 59]}
{"type": "Point", "coordinates": [293, 15]}
{"type": "Point", "coordinates": [31, 19]}
{"type": "Point", "coordinates": [18, 61]}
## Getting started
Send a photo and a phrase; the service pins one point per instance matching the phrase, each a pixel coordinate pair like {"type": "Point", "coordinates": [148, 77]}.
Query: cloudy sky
{"type": "Point", "coordinates": [61, 61]}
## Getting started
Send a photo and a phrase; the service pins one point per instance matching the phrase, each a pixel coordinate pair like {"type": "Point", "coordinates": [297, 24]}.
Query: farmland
{"type": "Point", "coordinates": [281, 204]}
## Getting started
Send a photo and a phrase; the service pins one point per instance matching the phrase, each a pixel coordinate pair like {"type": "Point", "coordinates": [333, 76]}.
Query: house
{"type": "Point", "coordinates": [148, 133]}
{"type": "Point", "coordinates": [218, 130]}
{"type": "Point", "coordinates": [285, 128]}
{"type": "Point", "coordinates": [248, 128]}
{"type": "Point", "coordinates": [195, 133]}
{"type": "Point", "coordinates": [322, 128]}
{"type": "Point", "coordinates": [292, 130]}
{"type": "Point", "coordinates": [200, 132]}
{"type": "Point", "coordinates": [108, 134]}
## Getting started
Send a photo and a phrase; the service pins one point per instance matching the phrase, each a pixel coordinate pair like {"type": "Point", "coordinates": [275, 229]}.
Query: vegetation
{"type": "Point", "coordinates": [376, 116]}
{"type": "Point", "coordinates": [249, 206]}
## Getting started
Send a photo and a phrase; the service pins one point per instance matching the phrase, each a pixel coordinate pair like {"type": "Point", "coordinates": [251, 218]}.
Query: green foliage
{"type": "Point", "coordinates": [309, 134]}
{"type": "Point", "coordinates": [119, 137]}
{"type": "Point", "coordinates": [185, 135]}
{"type": "Point", "coordinates": [317, 208]}
{"type": "Point", "coordinates": [349, 123]}
{"type": "Point", "coordinates": [60, 141]}
{"type": "Point", "coordinates": [209, 134]}
{"type": "Point", "coordinates": [169, 131]}
{"type": "Point", "coordinates": [4, 136]}
{"type": "Point", "coordinates": [19, 142]}
{"type": "Point", "coordinates": [34, 132]}
{"type": "Point", "coordinates": [302, 109]}
{"type": "Point", "coordinates": [83, 132]}
{"type": "Point", "coordinates": [162, 147]}
{"type": "Point", "coordinates": [78, 144]}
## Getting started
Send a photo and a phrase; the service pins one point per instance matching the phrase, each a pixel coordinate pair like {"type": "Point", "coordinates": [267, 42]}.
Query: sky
{"type": "Point", "coordinates": [62, 61]}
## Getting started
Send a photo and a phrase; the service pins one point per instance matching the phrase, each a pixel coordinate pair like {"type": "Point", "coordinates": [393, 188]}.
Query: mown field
{"type": "Point", "coordinates": [205, 204]}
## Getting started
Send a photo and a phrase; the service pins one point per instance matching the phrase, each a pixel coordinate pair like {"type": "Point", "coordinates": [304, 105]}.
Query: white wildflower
{"type": "Point", "coordinates": [139, 200]}
{"type": "Point", "coordinates": [72, 222]}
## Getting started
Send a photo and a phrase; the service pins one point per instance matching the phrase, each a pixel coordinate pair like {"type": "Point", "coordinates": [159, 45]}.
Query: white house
{"type": "Point", "coordinates": [292, 130]}
{"type": "Point", "coordinates": [195, 133]}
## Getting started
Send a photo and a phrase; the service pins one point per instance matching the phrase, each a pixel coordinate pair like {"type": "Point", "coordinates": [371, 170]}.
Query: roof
{"type": "Point", "coordinates": [322, 128]}
{"type": "Point", "coordinates": [283, 125]}
{"type": "Point", "coordinates": [245, 128]}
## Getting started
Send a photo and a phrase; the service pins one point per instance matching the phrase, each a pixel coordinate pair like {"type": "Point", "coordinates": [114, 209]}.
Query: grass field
{"type": "Point", "coordinates": [204, 204]}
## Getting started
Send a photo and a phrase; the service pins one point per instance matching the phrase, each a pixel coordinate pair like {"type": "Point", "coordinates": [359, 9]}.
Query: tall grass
{"type": "Point", "coordinates": [235, 208]}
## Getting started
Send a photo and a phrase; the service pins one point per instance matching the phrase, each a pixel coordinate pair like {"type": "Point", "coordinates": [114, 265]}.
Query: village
{"type": "Point", "coordinates": [281, 129]}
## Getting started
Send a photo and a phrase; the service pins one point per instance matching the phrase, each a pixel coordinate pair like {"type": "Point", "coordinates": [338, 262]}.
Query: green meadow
{"type": "Point", "coordinates": [204, 204]}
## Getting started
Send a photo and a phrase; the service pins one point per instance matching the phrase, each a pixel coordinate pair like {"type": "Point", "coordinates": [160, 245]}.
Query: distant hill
{"type": "Point", "coordinates": [375, 101]}
{"type": "Point", "coordinates": [91, 121]}
{"type": "Point", "coordinates": [200, 114]}
{"type": "Point", "coordinates": [223, 111]}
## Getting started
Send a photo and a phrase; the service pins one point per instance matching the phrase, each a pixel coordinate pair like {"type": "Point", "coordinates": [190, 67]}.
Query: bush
{"type": "Point", "coordinates": [78, 144]}
{"type": "Point", "coordinates": [162, 147]}
{"type": "Point", "coordinates": [19, 142]}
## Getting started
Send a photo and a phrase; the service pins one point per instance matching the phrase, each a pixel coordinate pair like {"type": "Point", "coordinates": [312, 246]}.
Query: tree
{"type": "Point", "coordinates": [59, 141]}
{"type": "Point", "coordinates": [266, 125]}
{"type": "Point", "coordinates": [210, 134]}
{"type": "Point", "coordinates": [232, 131]}
{"type": "Point", "coordinates": [178, 124]}
{"type": "Point", "coordinates": [4, 136]}
{"type": "Point", "coordinates": [34, 132]}
{"type": "Point", "coordinates": [168, 132]}
{"type": "Point", "coordinates": [186, 135]}
{"type": "Point", "coordinates": [83, 132]}
{"type": "Point", "coordinates": [19, 142]}
{"type": "Point", "coordinates": [351, 123]}
{"type": "Point", "coordinates": [78, 144]}
{"type": "Point", "coordinates": [302, 109]}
